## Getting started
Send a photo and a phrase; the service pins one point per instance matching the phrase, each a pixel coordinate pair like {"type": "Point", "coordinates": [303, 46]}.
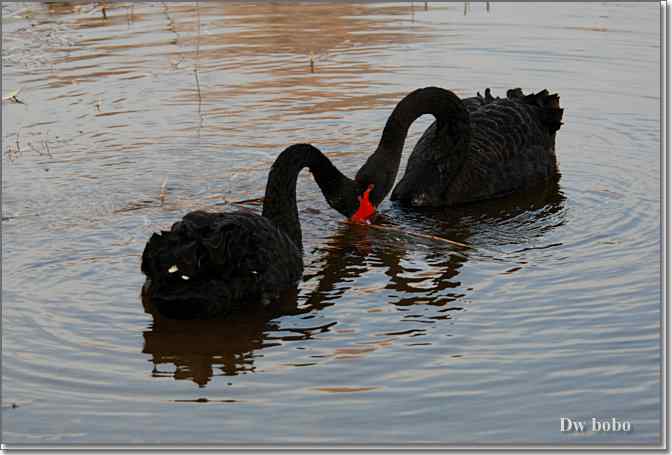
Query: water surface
{"type": "Point", "coordinates": [555, 311]}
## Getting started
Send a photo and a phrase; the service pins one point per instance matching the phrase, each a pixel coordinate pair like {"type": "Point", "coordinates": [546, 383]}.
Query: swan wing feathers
{"type": "Point", "coordinates": [212, 263]}
{"type": "Point", "coordinates": [548, 107]}
{"type": "Point", "coordinates": [512, 146]}
{"type": "Point", "coordinates": [474, 103]}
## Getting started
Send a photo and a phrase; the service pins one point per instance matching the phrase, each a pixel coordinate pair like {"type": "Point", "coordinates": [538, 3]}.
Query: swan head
{"type": "Point", "coordinates": [348, 197]}
{"type": "Point", "coordinates": [379, 173]}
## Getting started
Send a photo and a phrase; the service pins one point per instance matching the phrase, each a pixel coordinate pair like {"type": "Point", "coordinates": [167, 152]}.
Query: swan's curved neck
{"type": "Point", "coordinates": [381, 168]}
{"type": "Point", "coordinates": [280, 199]}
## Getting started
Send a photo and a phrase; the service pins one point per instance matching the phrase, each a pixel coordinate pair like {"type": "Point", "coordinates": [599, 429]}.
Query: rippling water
{"type": "Point", "coordinates": [555, 312]}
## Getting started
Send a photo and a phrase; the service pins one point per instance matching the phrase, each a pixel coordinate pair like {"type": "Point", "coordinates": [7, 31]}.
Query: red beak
{"type": "Point", "coordinates": [366, 209]}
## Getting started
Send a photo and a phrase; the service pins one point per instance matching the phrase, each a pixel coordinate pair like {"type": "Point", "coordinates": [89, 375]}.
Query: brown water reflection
{"type": "Point", "coordinates": [199, 350]}
{"type": "Point", "coordinates": [194, 346]}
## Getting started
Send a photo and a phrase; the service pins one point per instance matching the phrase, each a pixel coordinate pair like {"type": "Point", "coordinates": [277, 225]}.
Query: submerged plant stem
{"type": "Point", "coordinates": [417, 234]}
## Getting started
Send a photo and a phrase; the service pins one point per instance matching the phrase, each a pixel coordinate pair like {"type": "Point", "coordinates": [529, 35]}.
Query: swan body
{"type": "Point", "coordinates": [209, 265]}
{"type": "Point", "coordinates": [512, 148]}
{"type": "Point", "coordinates": [478, 148]}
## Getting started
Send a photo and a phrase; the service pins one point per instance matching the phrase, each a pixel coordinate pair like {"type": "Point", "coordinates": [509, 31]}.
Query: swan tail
{"type": "Point", "coordinates": [550, 112]}
{"type": "Point", "coordinates": [488, 96]}
{"type": "Point", "coordinates": [474, 103]}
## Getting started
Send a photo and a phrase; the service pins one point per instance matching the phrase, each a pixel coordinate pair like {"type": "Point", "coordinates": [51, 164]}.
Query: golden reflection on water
{"type": "Point", "coordinates": [268, 47]}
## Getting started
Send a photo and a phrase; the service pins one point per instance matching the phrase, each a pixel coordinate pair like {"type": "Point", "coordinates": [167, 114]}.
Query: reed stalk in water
{"type": "Point", "coordinates": [198, 53]}
{"type": "Point", "coordinates": [417, 234]}
{"type": "Point", "coordinates": [436, 238]}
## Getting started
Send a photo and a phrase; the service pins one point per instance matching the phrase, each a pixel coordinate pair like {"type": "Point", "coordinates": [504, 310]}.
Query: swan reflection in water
{"type": "Point", "coordinates": [199, 350]}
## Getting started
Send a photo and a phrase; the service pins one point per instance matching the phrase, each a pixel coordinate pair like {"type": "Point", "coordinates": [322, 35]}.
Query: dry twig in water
{"type": "Point", "coordinates": [254, 201]}
{"type": "Point", "coordinates": [198, 52]}
{"type": "Point", "coordinates": [18, 142]}
{"type": "Point", "coordinates": [415, 234]}
{"type": "Point", "coordinates": [260, 200]}
{"type": "Point", "coordinates": [14, 152]}
{"type": "Point", "coordinates": [44, 151]}
{"type": "Point", "coordinates": [162, 192]}
{"type": "Point", "coordinates": [436, 238]}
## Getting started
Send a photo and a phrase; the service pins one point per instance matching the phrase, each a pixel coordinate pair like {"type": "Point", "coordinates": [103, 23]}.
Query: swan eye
{"type": "Point", "coordinates": [173, 269]}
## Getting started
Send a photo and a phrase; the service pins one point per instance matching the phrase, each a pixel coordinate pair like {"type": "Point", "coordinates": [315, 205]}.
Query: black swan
{"type": "Point", "coordinates": [211, 264]}
{"type": "Point", "coordinates": [478, 148]}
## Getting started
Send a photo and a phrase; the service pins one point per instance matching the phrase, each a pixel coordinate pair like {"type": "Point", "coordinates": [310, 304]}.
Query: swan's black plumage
{"type": "Point", "coordinates": [228, 259]}
{"type": "Point", "coordinates": [212, 264]}
{"type": "Point", "coordinates": [478, 148]}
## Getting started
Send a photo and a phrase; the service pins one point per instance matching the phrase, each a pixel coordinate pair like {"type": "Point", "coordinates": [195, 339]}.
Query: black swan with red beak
{"type": "Point", "coordinates": [211, 264]}
{"type": "Point", "coordinates": [478, 148]}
